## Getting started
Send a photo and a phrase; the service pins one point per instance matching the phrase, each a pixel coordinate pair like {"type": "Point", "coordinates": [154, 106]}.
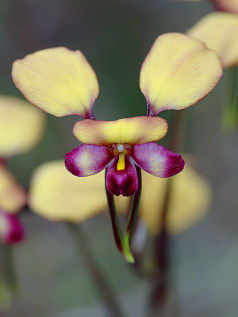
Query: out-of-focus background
{"type": "Point", "coordinates": [116, 35]}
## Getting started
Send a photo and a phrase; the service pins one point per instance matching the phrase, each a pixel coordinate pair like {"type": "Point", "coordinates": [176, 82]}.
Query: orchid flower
{"type": "Point", "coordinates": [219, 32]}
{"type": "Point", "coordinates": [57, 195]}
{"type": "Point", "coordinates": [21, 128]}
{"type": "Point", "coordinates": [12, 200]}
{"type": "Point", "coordinates": [174, 75]}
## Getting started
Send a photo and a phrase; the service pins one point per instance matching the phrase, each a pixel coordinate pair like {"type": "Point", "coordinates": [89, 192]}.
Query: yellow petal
{"type": "Point", "coordinates": [57, 80]}
{"type": "Point", "coordinates": [134, 130]}
{"type": "Point", "coordinates": [12, 195]}
{"type": "Point", "coordinates": [219, 32]}
{"type": "Point", "coordinates": [21, 126]}
{"type": "Point", "coordinates": [59, 196]}
{"type": "Point", "coordinates": [178, 72]}
{"type": "Point", "coordinates": [190, 201]}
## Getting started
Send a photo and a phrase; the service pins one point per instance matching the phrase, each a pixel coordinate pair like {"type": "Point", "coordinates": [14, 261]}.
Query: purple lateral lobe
{"type": "Point", "coordinates": [11, 228]}
{"type": "Point", "coordinates": [87, 159]}
{"type": "Point", "coordinates": [123, 182]}
{"type": "Point", "coordinates": [157, 160]}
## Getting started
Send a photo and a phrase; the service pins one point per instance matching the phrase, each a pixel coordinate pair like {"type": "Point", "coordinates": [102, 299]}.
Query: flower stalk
{"type": "Point", "coordinates": [159, 296]}
{"type": "Point", "coordinates": [104, 289]}
{"type": "Point", "coordinates": [123, 241]}
{"type": "Point", "coordinates": [230, 114]}
{"type": "Point", "coordinates": [8, 268]}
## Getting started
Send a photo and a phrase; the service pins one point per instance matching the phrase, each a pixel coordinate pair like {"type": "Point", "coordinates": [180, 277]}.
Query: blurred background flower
{"type": "Point", "coordinates": [58, 196]}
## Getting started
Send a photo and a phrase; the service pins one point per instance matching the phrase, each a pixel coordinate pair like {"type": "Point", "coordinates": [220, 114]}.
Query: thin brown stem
{"type": "Point", "coordinates": [102, 285]}
{"type": "Point", "coordinates": [160, 292]}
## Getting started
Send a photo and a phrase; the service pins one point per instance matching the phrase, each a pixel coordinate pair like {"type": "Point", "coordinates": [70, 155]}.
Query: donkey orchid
{"type": "Point", "coordinates": [15, 138]}
{"type": "Point", "coordinates": [174, 75]}
{"type": "Point", "coordinates": [15, 116]}
{"type": "Point", "coordinates": [12, 199]}
{"type": "Point", "coordinates": [57, 195]}
{"type": "Point", "coordinates": [118, 146]}
{"type": "Point", "coordinates": [218, 31]}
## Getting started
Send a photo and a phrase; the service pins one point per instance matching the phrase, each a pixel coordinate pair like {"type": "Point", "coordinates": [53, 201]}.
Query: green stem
{"type": "Point", "coordinates": [230, 114]}
{"type": "Point", "coordinates": [8, 267]}
{"type": "Point", "coordinates": [133, 214]}
{"type": "Point", "coordinates": [123, 241]}
{"type": "Point", "coordinates": [102, 285]}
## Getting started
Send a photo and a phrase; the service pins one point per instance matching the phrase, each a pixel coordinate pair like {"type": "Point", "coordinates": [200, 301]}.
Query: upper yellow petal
{"type": "Point", "coordinates": [189, 202]}
{"type": "Point", "coordinates": [134, 130]}
{"type": "Point", "coordinates": [178, 72]}
{"type": "Point", "coordinates": [59, 196]}
{"type": "Point", "coordinates": [57, 80]}
{"type": "Point", "coordinates": [21, 126]}
{"type": "Point", "coordinates": [12, 195]}
{"type": "Point", "coordinates": [219, 32]}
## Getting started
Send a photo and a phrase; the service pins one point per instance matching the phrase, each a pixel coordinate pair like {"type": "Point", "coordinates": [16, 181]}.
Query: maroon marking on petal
{"type": "Point", "coordinates": [157, 160]}
{"type": "Point", "coordinates": [87, 159]}
{"type": "Point", "coordinates": [14, 231]}
{"type": "Point", "coordinates": [175, 164]}
{"type": "Point", "coordinates": [123, 182]}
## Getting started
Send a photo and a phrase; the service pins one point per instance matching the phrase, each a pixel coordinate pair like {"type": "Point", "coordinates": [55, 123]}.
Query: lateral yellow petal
{"type": "Point", "coordinates": [219, 32]}
{"type": "Point", "coordinates": [59, 196]}
{"type": "Point", "coordinates": [136, 130]}
{"type": "Point", "coordinates": [21, 126]}
{"type": "Point", "coordinates": [190, 200]}
{"type": "Point", "coordinates": [12, 195]}
{"type": "Point", "coordinates": [57, 80]}
{"type": "Point", "coordinates": [178, 72]}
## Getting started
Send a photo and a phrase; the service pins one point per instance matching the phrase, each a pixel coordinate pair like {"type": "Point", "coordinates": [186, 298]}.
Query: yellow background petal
{"type": "Point", "coordinates": [134, 130]}
{"type": "Point", "coordinates": [219, 32]}
{"type": "Point", "coordinates": [12, 195]}
{"type": "Point", "coordinates": [178, 72]}
{"type": "Point", "coordinates": [58, 195]}
{"type": "Point", "coordinates": [21, 126]}
{"type": "Point", "coordinates": [190, 200]}
{"type": "Point", "coordinates": [57, 80]}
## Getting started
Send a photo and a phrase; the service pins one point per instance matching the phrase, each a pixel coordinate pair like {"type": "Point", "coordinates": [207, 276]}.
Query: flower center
{"type": "Point", "coordinates": [121, 150]}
